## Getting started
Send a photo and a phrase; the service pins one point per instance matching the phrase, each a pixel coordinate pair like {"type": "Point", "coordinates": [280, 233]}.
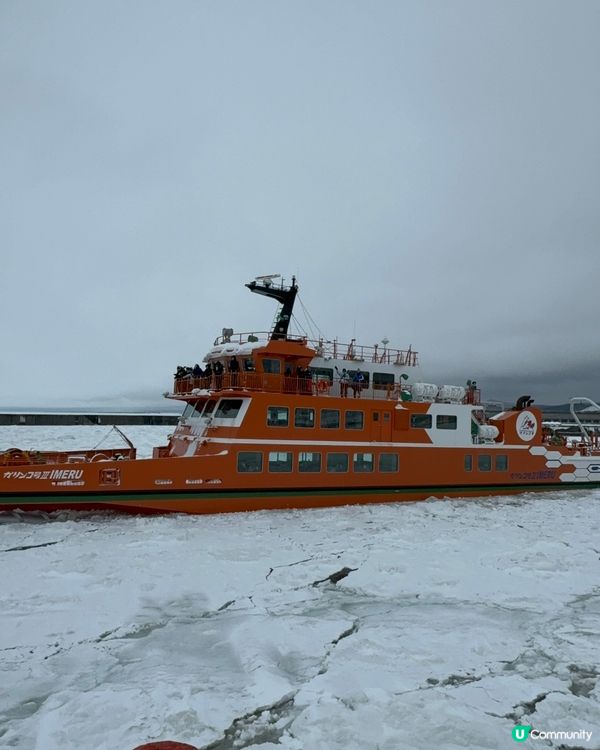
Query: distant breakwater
{"type": "Point", "coordinates": [88, 418]}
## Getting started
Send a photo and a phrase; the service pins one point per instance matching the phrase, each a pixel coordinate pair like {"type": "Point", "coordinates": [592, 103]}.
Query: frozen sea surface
{"type": "Point", "coordinates": [462, 619]}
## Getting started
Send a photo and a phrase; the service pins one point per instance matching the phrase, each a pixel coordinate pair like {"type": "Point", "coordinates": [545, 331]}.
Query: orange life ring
{"type": "Point", "coordinates": [322, 386]}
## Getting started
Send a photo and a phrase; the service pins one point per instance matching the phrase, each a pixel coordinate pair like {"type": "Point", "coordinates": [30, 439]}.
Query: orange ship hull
{"type": "Point", "coordinates": [210, 480]}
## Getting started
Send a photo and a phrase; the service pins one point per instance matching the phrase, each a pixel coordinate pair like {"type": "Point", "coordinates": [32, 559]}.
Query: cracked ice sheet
{"type": "Point", "coordinates": [460, 615]}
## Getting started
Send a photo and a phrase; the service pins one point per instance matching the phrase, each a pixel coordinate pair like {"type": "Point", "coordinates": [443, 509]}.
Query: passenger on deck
{"type": "Point", "coordinates": [358, 380]}
{"type": "Point", "coordinates": [304, 379]}
{"type": "Point", "coordinates": [208, 375]}
{"type": "Point", "coordinates": [218, 370]}
{"type": "Point", "coordinates": [234, 368]}
{"type": "Point", "coordinates": [197, 371]}
{"type": "Point", "coordinates": [344, 381]}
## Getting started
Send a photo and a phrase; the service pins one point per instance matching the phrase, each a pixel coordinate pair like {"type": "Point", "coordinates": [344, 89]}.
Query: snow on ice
{"type": "Point", "coordinates": [462, 619]}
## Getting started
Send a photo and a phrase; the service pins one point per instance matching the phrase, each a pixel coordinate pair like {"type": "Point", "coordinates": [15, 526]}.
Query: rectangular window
{"type": "Point", "coordinates": [383, 380]}
{"type": "Point", "coordinates": [277, 416]}
{"type": "Point", "coordinates": [445, 422]}
{"type": "Point", "coordinates": [337, 462]}
{"type": "Point", "coordinates": [363, 462]}
{"type": "Point", "coordinates": [375, 416]}
{"type": "Point", "coordinates": [228, 408]}
{"type": "Point", "coordinates": [422, 421]}
{"type": "Point", "coordinates": [322, 373]}
{"type": "Point", "coordinates": [388, 462]}
{"type": "Point", "coordinates": [209, 408]}
{"type": "Point", "coordinates": [501, 463]}
{"type": "Point", "coordinates": [272, 366]}
{"type": "Point", "coordinates": [330, 418]}
{"type": "Point", "coordinates": [249, 461]}
{"type": "Point", "coordinates": [304, 418]}
{"type": "Point", "coordinates": [354, 420]}
{"type": "Point", "coordinates": [280, 461]}
{"type": "Point", "coordinates": [386, 416]}
{"type": "Point", "coordinates": [193, 410]}
{"type": "Point", "coordinates": [309, 462]}
{"type": "Point", "coordinates": [484, 462]}
{"type": "Point", "coordinates": [468, 463]}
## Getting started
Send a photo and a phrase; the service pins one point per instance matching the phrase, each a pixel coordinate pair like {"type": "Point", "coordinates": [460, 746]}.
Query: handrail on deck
{"type": "Point", "coordinates": [334, 349]}
{"type": "Point", "coordinates": [250, 381]}
{"type": "Point", "coordinates": [310, 386]}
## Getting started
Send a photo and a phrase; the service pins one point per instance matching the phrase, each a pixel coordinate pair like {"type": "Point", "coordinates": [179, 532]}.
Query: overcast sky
{"type": "Point", "coordinates": [430, 171]}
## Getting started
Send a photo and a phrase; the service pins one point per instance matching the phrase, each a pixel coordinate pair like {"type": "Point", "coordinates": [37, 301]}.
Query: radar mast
{"type": "Point", "coordinates": [285, 295]}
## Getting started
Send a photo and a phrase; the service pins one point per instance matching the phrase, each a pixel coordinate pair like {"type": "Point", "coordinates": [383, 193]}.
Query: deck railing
{"type": "Point", "coordinates": [334, 349]}
{"type": "Point", "coordinates": [309, 386]}
{"type": "Point", "coordinates": [250, 381]}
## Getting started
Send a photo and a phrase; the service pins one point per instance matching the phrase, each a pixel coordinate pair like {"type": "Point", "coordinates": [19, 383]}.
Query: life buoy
{"type": "Point", "coordinates": [322, 386]}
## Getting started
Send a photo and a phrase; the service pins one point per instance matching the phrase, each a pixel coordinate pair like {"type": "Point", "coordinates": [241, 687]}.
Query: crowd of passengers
{"type": "Point", "coordinates": [299, 378]}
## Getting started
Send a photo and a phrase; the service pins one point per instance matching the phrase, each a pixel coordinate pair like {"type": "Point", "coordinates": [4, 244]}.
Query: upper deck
{"type": "Point", "coordinates": [327, 349]}
{"type": "Point", "coordinates": [316, 384]}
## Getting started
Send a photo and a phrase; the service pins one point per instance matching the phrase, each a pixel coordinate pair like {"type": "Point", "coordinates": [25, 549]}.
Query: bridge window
{"type": "Point", "coordinates": [422, 421]}
{"type": "Point", "coordinates": [330, 418]}
{"type": "Point", "coordinates": [272, 366]}
{"type": "Point", "coordinates": [446, 422]}
{"type": "Point", "coordinates": [309, 462]}
{"type": "Point", "coordinates": [363, 462]}
{"type": "Point", "coordinates": [484, 462]}
{"type": "Point", "coordinates": [209, 408]}
{"type": "Point", "coordinates": [192, 409]}
{"type": "Point", "coordinates": [228, 408]}
{"type": "Point", "coordinates": [501, 463]}
{"type": "Point", "coordinates": [304, 418]}
{"type": "Point", "coordinates": [388, 462]}
{"type": "Point", "coordinates": [277, 416]}
{"type": "Point", "coordinates": [280, 461]}
{"type": "Point", "coordinates": [337, 462]}
{"type": "Point", "coordinates": [354, 420]}
{"type": "Point", "coordinates": [249, 461]}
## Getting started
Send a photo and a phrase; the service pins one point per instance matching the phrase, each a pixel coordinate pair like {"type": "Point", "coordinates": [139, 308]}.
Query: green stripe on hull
{"type": "Point", "coordinates": [115, 498]}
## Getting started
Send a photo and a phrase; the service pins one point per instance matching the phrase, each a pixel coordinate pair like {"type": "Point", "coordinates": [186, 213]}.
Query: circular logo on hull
{"type": "Point", "coordinates": [526, 425]}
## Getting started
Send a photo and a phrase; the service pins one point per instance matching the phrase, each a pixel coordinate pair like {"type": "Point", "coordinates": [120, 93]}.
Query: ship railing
{"type": "Point", "coordinates": [249, 381]}
{"type": "Point", "coordinates": [311, 385]}
{"type": "Point", "coordinates": [352, 352]}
